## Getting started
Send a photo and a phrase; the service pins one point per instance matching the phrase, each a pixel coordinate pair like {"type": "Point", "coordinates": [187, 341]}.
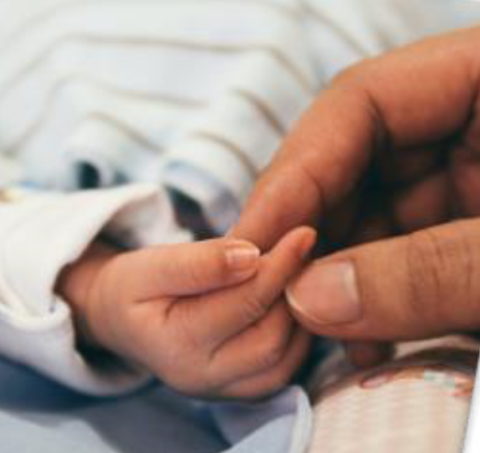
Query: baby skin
{"type": "Point", "coordinates": [208, 318]}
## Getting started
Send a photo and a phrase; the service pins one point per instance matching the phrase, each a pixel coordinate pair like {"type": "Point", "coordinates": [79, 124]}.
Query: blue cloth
{"type": "Point", "coordinates": [37, 416]}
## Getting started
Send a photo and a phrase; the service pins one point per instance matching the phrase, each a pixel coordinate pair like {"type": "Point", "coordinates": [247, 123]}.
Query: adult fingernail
{"type": "Point", "coordinates": [241, 256]}
{"type": "Point", "coordinates": [327, 293]}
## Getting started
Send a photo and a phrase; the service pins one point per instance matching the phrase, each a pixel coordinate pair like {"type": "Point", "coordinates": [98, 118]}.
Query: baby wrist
{"type": "Point", "coordinates": [76, 285]}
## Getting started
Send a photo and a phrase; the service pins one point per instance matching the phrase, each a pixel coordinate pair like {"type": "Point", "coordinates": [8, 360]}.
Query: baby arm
{"type": "Point", "coordinates": [202, 317]}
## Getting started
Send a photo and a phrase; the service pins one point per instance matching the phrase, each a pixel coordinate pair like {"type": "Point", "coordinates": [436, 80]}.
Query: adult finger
{"type": "Point", "coordinates": [417, 95]}
{"type": "Point", "coordinates": [416, 286]}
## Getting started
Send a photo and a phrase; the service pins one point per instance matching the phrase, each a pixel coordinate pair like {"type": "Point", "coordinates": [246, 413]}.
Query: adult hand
{"type": "Point", "coordinates": [390, 153]}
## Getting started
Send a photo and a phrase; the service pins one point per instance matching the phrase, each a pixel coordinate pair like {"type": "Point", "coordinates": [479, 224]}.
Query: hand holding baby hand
{"type": "Point", "coordinates": [201, 316]}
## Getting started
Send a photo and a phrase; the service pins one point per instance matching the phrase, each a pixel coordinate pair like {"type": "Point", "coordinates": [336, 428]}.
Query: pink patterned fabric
{"type": "Point", "coordinates": [417, 403]}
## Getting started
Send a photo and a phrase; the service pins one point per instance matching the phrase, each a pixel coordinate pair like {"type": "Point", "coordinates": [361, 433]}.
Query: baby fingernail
{"type": "Point", "coordinates": [242, 256]}
{"type": "Point", "coordinates": [327, 293]}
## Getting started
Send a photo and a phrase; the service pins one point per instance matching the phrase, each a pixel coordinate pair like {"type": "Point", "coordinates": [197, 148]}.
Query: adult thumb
{"type": "Point", "coordinates": [415, 286]}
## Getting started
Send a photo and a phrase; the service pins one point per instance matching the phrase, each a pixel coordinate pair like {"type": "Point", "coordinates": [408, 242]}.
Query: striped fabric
{"type": "Point", "coordinates": [153, 90]}
{"type": "Point", "coordinates": [416, 403]}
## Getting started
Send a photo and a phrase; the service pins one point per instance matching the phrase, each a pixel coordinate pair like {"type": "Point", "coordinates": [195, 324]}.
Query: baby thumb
{"type": "Point", "coordinates": [415, 286]}
{"type": "Point", "coordinates": [190, 269]}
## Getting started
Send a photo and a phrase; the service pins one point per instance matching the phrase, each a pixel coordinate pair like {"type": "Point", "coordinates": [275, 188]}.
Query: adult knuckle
{"type": "Point", "coordinates": [468, 267]}
{"type": "Point", "coordinates": [458, 264]}
{"type": "Point", "coordinates": [427, 275]}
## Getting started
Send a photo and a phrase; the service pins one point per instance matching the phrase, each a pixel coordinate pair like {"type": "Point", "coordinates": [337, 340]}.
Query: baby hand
{"type": "Point", "coordinates": [203, 317]}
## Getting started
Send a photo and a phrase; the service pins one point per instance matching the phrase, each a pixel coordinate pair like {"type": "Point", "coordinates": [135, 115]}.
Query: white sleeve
{"type": "Point", "coordinates": [220, 207]}
{"type": "Point", "coordinates": [42, 234]}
